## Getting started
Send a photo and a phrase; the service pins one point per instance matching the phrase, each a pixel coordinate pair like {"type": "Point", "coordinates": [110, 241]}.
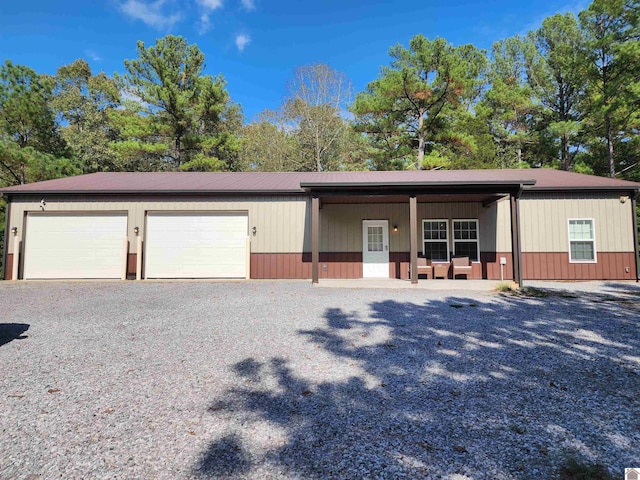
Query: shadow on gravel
{"type": "Point", "coordinates": [507, 388]}
{"type": "Point", "coordinates": [12, 331]}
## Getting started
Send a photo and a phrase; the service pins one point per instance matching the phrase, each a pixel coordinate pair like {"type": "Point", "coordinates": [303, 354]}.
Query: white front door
{"type": "Point", "coordinates": [375, 249]}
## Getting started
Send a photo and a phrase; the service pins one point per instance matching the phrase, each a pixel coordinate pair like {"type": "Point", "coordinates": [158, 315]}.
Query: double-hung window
{"type": "Point", "coordinates": [466, 239]}
{"type": "Point", "coordinates": [435, 236]}
{"type": "Point", "coordinates": [582, 240]}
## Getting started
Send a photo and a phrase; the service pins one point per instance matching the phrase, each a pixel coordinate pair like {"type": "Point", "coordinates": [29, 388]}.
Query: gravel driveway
{"type": "Point", "coordinates": [283, 380]}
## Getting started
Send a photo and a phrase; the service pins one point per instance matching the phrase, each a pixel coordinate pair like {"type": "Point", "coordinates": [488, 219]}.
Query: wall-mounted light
{"type": "Point", "coordinates": [395, 228]}
{"type": "Point", "coordinates": [624, 198]}
{"type": "Point", "coordinates": [136, 230]}
{"type": "Point", "coordinates": [14, 230]}
{"type": "Point", "coordinates": [254, 230]}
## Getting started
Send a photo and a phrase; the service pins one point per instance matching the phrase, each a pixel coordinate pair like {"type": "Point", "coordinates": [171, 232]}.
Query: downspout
{"type": "Point", "coordinates": [634, 196]}
{"type": "Point", "coordinates": [7, 221]}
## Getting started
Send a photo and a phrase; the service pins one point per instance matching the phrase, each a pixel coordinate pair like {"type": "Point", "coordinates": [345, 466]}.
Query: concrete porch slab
{"type": "Point", "coordinates": [393, 283]}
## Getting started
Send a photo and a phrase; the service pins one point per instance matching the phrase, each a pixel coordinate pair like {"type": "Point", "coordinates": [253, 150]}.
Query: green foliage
{"type": "Point", "coordinates": [31, 147]}
{"type": "Point", "coordinates": [85, 103]}
{"type": "Point", "coordinates": [408, 112]}
{"type": "Point", "coordinates": [192, 116]}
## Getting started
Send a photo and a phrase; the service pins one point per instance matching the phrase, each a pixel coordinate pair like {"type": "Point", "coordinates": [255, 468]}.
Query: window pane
{"type": "Point", "coordinates": [374, 237]}
{"type": "Point", "coordinates": [582, 251]}
{"type": "Point", "coordinates": [581, 230]}
{"type": "Point", "coordinates": [436, 251]}
{"type": "Point", "coordinates": [466, 249]}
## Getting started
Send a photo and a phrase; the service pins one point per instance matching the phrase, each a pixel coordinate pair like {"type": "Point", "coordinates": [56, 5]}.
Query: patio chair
{"type": "Point", "coordinates": [441, 270]}
{"type": "Point", "coordinates": [461, 266]}
{"type": "Point", "coordinates": [424, 267]}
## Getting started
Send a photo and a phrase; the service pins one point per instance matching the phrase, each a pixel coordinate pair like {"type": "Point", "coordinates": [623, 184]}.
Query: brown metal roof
{"type": "Point", "coordinates": [296, 182]}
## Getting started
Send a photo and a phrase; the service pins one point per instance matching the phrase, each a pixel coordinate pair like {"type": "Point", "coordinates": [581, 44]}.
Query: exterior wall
{"type": "Point", "coordinates": [545, 236]}
{"type": "Point", "coordinates": [281, 246]}
{"type": "Point", "coordinates": [281, 222]}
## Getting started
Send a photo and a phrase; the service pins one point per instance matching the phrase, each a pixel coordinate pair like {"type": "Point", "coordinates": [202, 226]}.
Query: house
{"type": "Point", "coordinates": [519, 224]}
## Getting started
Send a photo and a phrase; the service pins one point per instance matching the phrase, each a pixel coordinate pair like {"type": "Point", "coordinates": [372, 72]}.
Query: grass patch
{"type": "Point", "coordinates": [506, 287]}
{"type": "Point", "coordinates": [574, 469]}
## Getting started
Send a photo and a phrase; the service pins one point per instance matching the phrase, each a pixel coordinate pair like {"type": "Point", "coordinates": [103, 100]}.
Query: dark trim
{"type": "Point", "coordinates": [356, 185]}
{"type": "Point", "coordinates": [635, 230]}
{"type": "Point", "coordinates": [515, 237]}
{"type": "Point", "coordinates": [579, 189]}
{"type": "Point", "coordinates": [413, 241]}
{"type": "Point", "coordinates": [156, 192]}
{"type": "Point", "coordinates": [7, 223]}
{"type": "Point", "coordinates": [315, 238]}
{"type": "Point", "coordinates": [357, 190]}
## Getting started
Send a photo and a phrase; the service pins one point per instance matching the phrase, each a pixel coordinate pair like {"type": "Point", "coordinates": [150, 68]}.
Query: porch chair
{"type": "Point", "coordinates": [424, 267]}
{"type": "Point", "coordinates": [461, 266]}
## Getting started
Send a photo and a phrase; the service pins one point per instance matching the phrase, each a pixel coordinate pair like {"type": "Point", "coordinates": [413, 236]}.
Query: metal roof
{"type": "Point", "coordinates": [297, 182]}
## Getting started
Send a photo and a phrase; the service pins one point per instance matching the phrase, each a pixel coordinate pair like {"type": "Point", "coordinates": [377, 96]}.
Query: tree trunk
{"type": "Point", "coordinates": [564, 160]}
{"type": "Point", "coordinates": [610, 159]}
{"type": "Point", "coordinates": [421, 142]}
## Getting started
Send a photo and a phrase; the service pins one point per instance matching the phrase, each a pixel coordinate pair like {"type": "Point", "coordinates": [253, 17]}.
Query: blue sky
{"type": "Point", "coordinates": [256, 44]}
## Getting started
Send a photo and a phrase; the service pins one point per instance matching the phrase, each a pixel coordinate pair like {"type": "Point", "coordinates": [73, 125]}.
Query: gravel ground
{"type": "Point", "coordinates": [283, 380]}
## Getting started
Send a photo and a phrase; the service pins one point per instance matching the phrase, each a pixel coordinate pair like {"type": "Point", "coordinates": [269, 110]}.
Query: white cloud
{"type": "Point", "coordinates": [210, 4]}
{"type": "Point", "coordinates": [248, 4]}
{"type": "Point", "coordinates": [93, 55]}
{"type": "Point", "coordinates": [150, 13]}
{"type": "Point", "coordinates": [242, 40]}
{"type": "Point", "coordinates": [205, 24]}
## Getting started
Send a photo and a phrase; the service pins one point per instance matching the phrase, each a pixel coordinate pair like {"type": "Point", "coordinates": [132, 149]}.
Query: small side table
{"type": "Point", "coordinates": [441, 271]}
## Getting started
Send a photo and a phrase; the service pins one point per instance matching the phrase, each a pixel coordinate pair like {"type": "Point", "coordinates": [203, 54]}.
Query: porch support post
{"type": "Point", "coordinates": [315, 238]}
{"type": "Point", "coordinates": [516, 250]}
{"type": "Point", "coordinates": [413, 231]}
{"type": "Point", "coordinates": [634, 217]}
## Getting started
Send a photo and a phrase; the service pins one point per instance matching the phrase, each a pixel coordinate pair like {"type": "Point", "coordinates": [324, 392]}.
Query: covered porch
{"type": "Point", "coordinates": [360, 231]}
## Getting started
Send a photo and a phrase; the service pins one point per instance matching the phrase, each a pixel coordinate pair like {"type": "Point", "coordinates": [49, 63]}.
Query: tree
{"type": "Point", "coordinates": [508, 104]}
{"type": "Point", "coordinates": [317, 93]}
{"type": "Point", "coordinates": [84, 102]}
{"type": "Point", "coordinates": [556, 73]}
{"type": "Point", "coordinates": [267, 147]}
{"type": "Point", "coordinates": [194, 113]}
{"type": "Point", "coordinates": [406, 110]}
{"type": "Point", "coordinates": [31, 147]}
{"type": "Point", "coordinates": [613, 32]}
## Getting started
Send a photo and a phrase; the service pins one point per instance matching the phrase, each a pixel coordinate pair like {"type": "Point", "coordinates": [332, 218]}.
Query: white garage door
{"type": "Point", "coordinates": [74, 245]}
{"type": "Point", "coordinates": [196, 245]}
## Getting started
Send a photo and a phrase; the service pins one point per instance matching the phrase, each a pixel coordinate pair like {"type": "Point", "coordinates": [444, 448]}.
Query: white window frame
{"type": "Point", "coordinates": [446, 223]}
{"type": "Point", "coordinates": [593, 240]}
{"type": "Point", "coordinates": [477, 240]}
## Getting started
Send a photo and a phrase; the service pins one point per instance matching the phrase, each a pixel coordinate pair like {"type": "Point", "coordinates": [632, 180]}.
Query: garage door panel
{"type": "Point", "coordinates": [74, 246]}
{"type": "Point", "coordinates": [196, 245]}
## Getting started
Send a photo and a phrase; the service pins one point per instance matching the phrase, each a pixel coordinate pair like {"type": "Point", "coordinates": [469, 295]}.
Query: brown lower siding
{"type": "Point", "coordinates": [556, 266]}
{"type": "Point", "coordinates": [131, 265]}
{"type": "Point", "coordinates": [349, 265]}
{"type": "Point", "coordinates": [8, 268]}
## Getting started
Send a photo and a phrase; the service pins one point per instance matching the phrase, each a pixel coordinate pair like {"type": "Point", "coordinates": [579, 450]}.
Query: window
{"type": "Point", "coordinates": [435, 240]}
{"type": "Point", "coordinates": [465, 239]}
{"type": "Point", "coordinates": [582, 240]}
{"type": "Point", "coordinates": [374, 238]}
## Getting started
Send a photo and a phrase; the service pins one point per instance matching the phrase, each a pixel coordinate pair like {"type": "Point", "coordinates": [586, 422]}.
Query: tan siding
{"type": "Point", "coordinates": [280, 221]}
{"type": "Point", "coordinates": [544, 219]}
{"type": "Point", "coordinates": [341, 224]}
